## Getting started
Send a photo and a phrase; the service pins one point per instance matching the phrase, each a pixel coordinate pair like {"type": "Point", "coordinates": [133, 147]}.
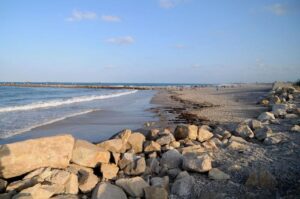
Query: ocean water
{"type": "Point", "coordinates": [23, 109]}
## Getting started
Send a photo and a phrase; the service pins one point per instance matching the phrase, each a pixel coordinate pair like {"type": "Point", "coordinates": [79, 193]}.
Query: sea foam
{"type": "Point", "coordinates": [54, 103]}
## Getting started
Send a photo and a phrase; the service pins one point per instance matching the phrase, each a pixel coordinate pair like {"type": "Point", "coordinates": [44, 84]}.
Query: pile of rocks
{"type": "Point", "coordinates": [130, 165]}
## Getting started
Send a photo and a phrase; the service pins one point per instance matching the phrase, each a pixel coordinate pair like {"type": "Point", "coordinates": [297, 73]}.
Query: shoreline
{"type": "Point", "coordinates": [257, 157]}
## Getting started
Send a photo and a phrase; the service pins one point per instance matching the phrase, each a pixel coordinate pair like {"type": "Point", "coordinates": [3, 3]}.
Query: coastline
{"type": "Point", "coordinates": [252, 152]}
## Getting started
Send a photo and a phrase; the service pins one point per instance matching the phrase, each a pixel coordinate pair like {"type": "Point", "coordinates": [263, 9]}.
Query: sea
{"type": "Point", "coordinates": [86, 113]}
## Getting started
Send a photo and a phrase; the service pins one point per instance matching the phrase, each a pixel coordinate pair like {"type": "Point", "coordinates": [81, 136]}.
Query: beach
{"type": "Point", "coordinates": [240, 140]}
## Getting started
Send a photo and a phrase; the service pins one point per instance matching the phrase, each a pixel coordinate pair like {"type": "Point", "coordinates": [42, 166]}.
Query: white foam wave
{"type": "Point", "coordinates": [55, 103]}
{"type": "Point", "coordinates": [9, 134]}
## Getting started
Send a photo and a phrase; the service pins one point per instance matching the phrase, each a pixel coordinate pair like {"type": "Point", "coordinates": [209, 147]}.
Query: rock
{"type": "Point", "coordinates": [3, 185]}
{"type": "Point", "coordinates": [175, 144]}
{"type": "Point", "coordinates": [152, 134]}
{"type": "Point", "coordinates": [39, 191]}
{"type": "Point", "coordinates": [264, 102]}
{"type": "Point", "coordinates": [275, 99]}
{"type": "Point", "coordinates": [204, 134]}
{"type": "Point", "coordinates": [291, 116]}
{"type": "Point", "coordinates": [166, 139]}
{"type": "Point", "coordinates": [89, 155]}
{"type": "Point", "coordinates": [151, 146]}
{"type": "Point", "coordinates": [234, 145]}
{"type": "Point", "coordinates": [8, 195]}
{"type": "Point", "coordinates": [244, 131]}
{"type": "Point", "coordinates": [266, 116]}
{"type": "Point", "coordinates": [237, 139]}
{"type": "Point", "coordinates": [133, 186]}
{"type": "Point", "coordinates": [192, 149]}
{"type": "Point", "coordinates": [72, 184]}
{"type": "Point", "coordinates": [23, 184]}
{"type": "Point", "coordinates": [295, 128]}
{"type": "Point", "coordinates": [263, 133]}
{"type": "Point", "coordinates": [136, 141]}
{"type": "Point", "coordinates": [114, 145]}
{"type": "Point", "coordinates": [272, 140]}
{"type": "Point", "coordinates": [210, 145]}
{"type": "Point", "coordinates": [87, 180]}
{"type": "Point", "coordinates": [42, 173]}
{"type": "Point", "coordinates": [65, 196]}
{"type": "Point", "coordinates": [153, 165]}
{"type": "Point", "coordinates": [124, 135]}
{"type": "Point", "coordinates": [255, 124]}
{"type": "Point", "coordinates": [217, 174]}
{"type": "Point", "coordinates": [171, 159]}
{"type": "Point", "coordinates": [261, 178]}
{"type": "Point", "coordinates": [224, 134]}
{"type": "Point", "coordinates": [172, 173]}
{"type": "Point", "coordinates": [105, 190]}
{"type": "Point", "coordinates": [279, 109]}
{"type": "Point", "coordinates": [116, 157]}
{"type": "Point", "coordinates": [136, 167]}
{"type": "Point", "coordinates": [183, 187]}
{"type": "Point", "coordinates": [160, 182]}
{"type": "Point", "coordinates": [155, 193]}
{"type": "Point", "coordinates": [109, 171]}
{"type": "Point", "coordinates": [197, 163]}
{"type": "Point", "coordinates": [53, 151]}
{"type": "Point", "coordinates": [186, 131]}
{"type": "Point", "coordinates": [127, 159]}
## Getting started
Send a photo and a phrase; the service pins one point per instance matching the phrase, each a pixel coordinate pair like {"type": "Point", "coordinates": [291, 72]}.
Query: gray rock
{"type": "Point", "coordinates": [153, 165]}
{"type": "Point", "coordinates": [152, 134]}
{"type": "Point", "coordinates": [183, 187]}
{"type": "Point", "coordinates": [244, 131]}
{"type": "Point", "coordinates": [255, 124]}
{"type": "Point", "coordinates": [171, 159]}
{"type": "Point", "coordinates": [136, 167]}
{"type": "Point", "coordinates": [295, 128]}
{"type": "Point", "coordinates": [279, 109]}
{"type": "Point", "coordinates": [263, 133]}
{"type": "Point", "coordinates": [108, 191]}
{"type": "Point", "coordinates": [160, 182]}
{"type": "Point", "coordinates": [204, 133]}
{"type": "Point", "coordinates": [166, 139]}
{"type": "Point", "coordinates": [127, 159]}
{"type": "Point", "coordinates": [133, 186]}
{"type": "Point", "coordinates": [272, 140]}
{"type": "Point", "coordinates": [197, 163]}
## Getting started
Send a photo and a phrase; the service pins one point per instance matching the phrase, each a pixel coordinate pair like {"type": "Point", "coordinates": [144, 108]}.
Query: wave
{"type": "Point", "coordinates": [55, 103]}
{"type": "Point", "coordinates": [9, 134]}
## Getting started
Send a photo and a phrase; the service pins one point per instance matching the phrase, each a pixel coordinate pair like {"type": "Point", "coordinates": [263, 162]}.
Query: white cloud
{"type": "Point", "coordinates": [82, 15]}
{"type": "Point", "coordinates": [126, 40]}
{"type": "Point", "coordinates": [278, 9]}
{"type": "Point", "coordinates": [110, 18]}
{"type": "Point", "coordinates": [169, 3]}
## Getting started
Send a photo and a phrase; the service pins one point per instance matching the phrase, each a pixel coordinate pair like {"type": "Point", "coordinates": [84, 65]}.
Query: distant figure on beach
{"type": "Point", "coordinates": [217, 88]}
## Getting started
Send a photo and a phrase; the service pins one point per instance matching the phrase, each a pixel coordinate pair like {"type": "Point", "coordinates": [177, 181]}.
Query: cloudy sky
{"type": "Point", "coordinates": [180, 41]}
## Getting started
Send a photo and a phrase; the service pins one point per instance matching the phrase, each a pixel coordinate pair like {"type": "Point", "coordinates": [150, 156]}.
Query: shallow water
{"type": "Point", "coordinates": [92, 114]}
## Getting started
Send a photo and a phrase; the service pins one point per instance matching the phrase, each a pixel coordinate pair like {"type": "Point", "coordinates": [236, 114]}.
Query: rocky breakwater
{"type": "Point", "coordinates": [130, 165]}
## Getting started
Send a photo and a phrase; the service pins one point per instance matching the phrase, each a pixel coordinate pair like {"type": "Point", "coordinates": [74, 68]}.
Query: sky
{"type": "Point", "coordinates": [150, 41]}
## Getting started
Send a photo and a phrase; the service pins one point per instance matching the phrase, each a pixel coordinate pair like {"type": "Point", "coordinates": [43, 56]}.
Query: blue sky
{"type": "Point", "coordinates": [180, 41]}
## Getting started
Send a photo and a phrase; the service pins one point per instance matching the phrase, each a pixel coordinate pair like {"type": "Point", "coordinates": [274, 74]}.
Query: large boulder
{"type": "Point", "coordinates": [39, 191]}
{"type": "Point", "coordinates": [186, 131]}
{"type": "Point", "coordinates": [204, 134]}
{"type": "Point", "coordinates": [197, 163]}
{"type": "Point", "coordinates": [133, 186]}
{"type": "Point", "coordinates": [89, 155]}
{"type": "Point", "coordinates": [114, 145]}
{"type": "Point", "coordinates": [105, 190]}
{"type": "Point", "coordinates": [165, 139]}
{"type": "Point", "coordinates": [22, 157]}
{"type": "Point", "coordinates": [136, 141]}
{"type": "Point", "coordinates": [183, 186]}
{"type": "Point", "coordinates": [87, 180]}
{"type": "Point", "coordinates": [171, 159]}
